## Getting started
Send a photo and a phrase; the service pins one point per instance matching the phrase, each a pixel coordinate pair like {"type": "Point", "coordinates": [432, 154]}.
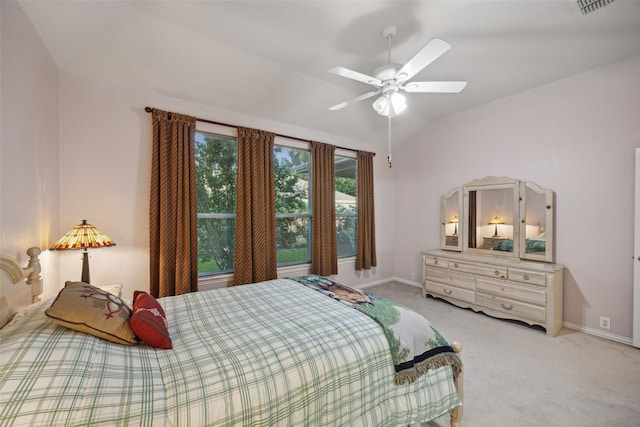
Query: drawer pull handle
{"type": "Point", "coordinates": [497, 273]}
{"type": "Point", "coordinates": [455, 265]}
{"type": "Point", "coordinates": [447, 291]}
{"type": "Point", "coordinates": [435, 262]}
{"type": "Point", "coordinates": [525, 277]}
{"type": "Point", "coordinates": [506, 307]}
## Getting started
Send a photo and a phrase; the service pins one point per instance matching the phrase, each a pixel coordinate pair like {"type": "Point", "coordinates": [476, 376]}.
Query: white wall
{"type": "Point", "coordinates": [105, 163]}
{"type": "Point", "coordinates": [29, 188]}
{"type": "Point", "coordinates": [575, 136]}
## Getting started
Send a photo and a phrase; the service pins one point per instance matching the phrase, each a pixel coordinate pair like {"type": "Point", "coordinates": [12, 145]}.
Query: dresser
{"type": "Point", "coordinates": [507, 288]}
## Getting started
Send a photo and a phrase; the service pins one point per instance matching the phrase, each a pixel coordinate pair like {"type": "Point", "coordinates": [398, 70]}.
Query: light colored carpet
{"type": "Point", "coordinates": [516, 375]}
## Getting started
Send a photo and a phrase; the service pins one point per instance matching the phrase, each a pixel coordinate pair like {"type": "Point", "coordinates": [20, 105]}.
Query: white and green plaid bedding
{"type": "Point", "coordinates": [274, 353]}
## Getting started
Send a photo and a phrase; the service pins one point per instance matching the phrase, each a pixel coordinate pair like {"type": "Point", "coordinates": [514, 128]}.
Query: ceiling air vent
{"type": "Point", "coordinates": [588, 6]}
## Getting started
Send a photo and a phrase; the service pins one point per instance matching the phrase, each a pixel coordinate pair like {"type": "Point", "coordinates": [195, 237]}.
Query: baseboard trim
{"type": "Point", "coordinates": [568, 325]}
{"type": "Point", "coordinates": [369, 284]}
{"type": "Point", "coordinates": [408, 282]}
{"type": "Point", "coordinates": [598, 333]}
{"type": "Point", "coordinates": [389, 279]}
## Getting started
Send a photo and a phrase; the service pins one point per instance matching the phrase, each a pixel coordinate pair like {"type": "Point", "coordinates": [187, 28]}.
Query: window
{"type": "Point", "coordinates": [346, 205]}
{"type": "Point", "coordinates": [293, 210]}
{"type": "Point", "coordinates": [216, 167]}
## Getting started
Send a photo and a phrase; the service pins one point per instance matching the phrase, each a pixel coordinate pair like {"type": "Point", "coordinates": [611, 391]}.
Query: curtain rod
{"type": "Point", "coordinates": [150, 109]}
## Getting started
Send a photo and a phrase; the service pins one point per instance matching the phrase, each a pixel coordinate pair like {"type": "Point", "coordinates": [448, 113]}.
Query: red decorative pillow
{"type": "Point", "coordinates": [149, 322]}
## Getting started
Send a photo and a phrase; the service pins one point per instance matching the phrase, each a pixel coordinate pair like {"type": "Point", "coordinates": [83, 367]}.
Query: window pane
{"type": "Point", "coordinates": [216, 165]}
{"type": "Point", "coordinates": [291, 175]}
{"type": "Point", "coordinates": [216, 245]}
{"type": "Point", "coordinates": [346, 205]}
{"type": "Point", "coordinates": [292, 236]}
{"type": "Point", "coordinates": [346, 231]}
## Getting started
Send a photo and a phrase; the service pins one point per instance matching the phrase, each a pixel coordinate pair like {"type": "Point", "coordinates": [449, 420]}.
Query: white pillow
{"type": "Point", "coordinates": [115, 289]}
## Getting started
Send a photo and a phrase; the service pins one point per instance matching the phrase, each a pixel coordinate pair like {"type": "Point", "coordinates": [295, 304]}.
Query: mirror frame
{"type": "Point", "coordinates": [519, 189]}
{"type": "Point", "coordinates": [447, 240]}
{"type": "Point", "coordinates": [549, 203]}
{"type": "Point", "coordinates": [494, 183]}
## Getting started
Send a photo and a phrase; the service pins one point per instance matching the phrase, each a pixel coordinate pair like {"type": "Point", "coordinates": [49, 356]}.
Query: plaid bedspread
{"type": "Point", "coordinates": [415, 345]}
{"type": "Point", "coordinates": [269, 354]}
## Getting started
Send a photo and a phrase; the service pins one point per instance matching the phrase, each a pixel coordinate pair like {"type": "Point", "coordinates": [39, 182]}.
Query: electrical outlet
{"type": "Point", "coordinates": [605, 322]}
{"type": "Point", "coordinates": [413, 276]}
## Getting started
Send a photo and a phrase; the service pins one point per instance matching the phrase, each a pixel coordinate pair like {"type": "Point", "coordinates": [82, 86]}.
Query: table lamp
{"type": "Point", "coordinates": [83, 236]}
{"type": "Point", "coordinates": [454, 221]}
{"type": "Point", "coordinates": [495, 221]}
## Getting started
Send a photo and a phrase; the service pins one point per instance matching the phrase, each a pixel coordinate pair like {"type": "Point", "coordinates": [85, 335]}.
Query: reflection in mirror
{"type": "Point", "coordinates": [536, 228]}
{"type": "Point", "coordinates": [535, 222]}
{"type": "Point", "coordinates": [450, 218]}
{"type": "Point", "coordinates": [491, 219]}
{"type": "Point", "coordinates": [454, 221]}
{"type": "Point", "coordinates": [499, 216]}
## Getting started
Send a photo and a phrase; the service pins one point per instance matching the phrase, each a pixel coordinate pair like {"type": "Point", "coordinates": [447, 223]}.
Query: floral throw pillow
{"type": "Point", "coordinates": [149, 321]}
{"type": "Point", "coordinates": [85, 308]}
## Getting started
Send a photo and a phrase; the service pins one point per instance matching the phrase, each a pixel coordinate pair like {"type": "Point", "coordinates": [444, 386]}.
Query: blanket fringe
{"type": "Point", "coordinates": [434, 362]}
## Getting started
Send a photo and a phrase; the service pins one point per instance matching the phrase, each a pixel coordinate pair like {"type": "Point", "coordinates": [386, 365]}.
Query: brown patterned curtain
{"type": "Point", "coordinates": [324, 248]}
{"type": "Point", "coordinates": [366, 238]}
{"type": "Point", "coordinates": [173, 213]}
{"type": "Point", "coordinates": [255, 253]}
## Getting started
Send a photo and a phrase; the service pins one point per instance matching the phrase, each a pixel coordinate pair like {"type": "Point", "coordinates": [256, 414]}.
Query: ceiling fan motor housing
{"type": "Point", "coordinates": [387, 72]}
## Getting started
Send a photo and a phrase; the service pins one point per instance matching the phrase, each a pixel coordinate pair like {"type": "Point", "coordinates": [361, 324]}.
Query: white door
{"type": "Point", "coordinates": [636, 258]}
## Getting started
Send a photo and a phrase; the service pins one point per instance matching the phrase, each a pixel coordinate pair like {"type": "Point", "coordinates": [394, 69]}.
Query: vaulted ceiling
{"type": "Point", "coordinates": [270, 58]}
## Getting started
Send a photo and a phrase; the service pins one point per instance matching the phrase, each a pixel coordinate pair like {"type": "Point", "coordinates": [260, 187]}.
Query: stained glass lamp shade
{"type": "Point", "coordinates": [83, 236]}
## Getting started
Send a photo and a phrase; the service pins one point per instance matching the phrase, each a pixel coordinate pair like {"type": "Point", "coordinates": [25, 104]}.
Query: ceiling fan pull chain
{"type": "Point", "coordinates": [389, 155]}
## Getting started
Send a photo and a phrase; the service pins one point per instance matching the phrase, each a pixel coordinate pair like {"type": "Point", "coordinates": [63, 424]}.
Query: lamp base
{"type": "Point", "coordinates": [85, 266]}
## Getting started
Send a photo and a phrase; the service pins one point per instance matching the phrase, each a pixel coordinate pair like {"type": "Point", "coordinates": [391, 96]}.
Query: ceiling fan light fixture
{"type": "Point", "coordinates": [390, 105]}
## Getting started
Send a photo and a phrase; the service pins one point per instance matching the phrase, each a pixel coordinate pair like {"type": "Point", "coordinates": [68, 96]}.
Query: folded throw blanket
{"type": "Point", "coordinates": [416, 346]}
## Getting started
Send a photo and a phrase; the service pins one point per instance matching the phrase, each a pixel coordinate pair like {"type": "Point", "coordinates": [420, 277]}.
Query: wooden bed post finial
{"type": "Point", "coordinates": [33, 272]}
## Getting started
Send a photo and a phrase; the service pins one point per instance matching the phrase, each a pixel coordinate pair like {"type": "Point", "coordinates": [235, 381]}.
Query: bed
{"type": "Point", "coordinates": [266, 354]}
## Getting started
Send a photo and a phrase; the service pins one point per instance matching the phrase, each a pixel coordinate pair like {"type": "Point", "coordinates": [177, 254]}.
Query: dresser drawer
{"type": "Point", "coordinates": [447, 277]}
{"type": "Point", "coordinates": [527, 276]}
{"type": "Point", "coordinates": [531, 294]}
{"type": "Point", "coordinates": [511, 307]}
{"type": "Point", "coordinates": [436, 262]}
{"type": "Point", "coordinates": [492, 271]}
{"type": "Point", "coordinates": [464, 295]}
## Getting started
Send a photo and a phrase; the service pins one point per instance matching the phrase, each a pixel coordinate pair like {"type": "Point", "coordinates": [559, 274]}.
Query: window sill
{"type": "Point", "coordinates": [217, 281]}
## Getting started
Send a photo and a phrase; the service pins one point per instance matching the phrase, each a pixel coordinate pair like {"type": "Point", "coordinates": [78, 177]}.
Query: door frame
{"type": "Point", "coordinates": [636, 256]}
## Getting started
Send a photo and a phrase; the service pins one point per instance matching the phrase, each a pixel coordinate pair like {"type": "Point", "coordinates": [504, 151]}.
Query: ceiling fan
{"type": "Point", "coordinates": [390, 79]}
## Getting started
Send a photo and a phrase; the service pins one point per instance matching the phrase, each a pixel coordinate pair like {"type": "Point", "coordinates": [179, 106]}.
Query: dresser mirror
{"type": "Point", "coordinates": [500, 216]}
{"type": "Point", "coordinates": [450, 219]}
{"type": "Point", "coordinates": [536, 226]}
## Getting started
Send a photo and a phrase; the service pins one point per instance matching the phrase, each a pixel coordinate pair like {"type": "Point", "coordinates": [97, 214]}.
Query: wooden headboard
{"type": "Point", "coordinates": [13, 294]}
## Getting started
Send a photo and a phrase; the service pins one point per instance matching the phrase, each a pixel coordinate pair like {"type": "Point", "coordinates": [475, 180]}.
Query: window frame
{"type": "Point", "coordinates": [228, 131]}
{"type": "Point", "coordinates": [352, 155]}
{"type": "Point", "coordinates": [305, 146]}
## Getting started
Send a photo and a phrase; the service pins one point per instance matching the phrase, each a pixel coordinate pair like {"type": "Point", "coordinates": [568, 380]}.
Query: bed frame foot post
{"type": "Point", "coordinates": [456, 413]}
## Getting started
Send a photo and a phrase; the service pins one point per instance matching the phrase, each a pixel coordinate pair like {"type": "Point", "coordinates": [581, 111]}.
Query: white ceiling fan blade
{"type": "Point", "coordinates": [354, 75]}
{"type": "Point", "coordinates": [354, 100]}
{"type": "Point", "coordinates": [435, 87]}
{"type": "Point", "coordinates": [429, 53]}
